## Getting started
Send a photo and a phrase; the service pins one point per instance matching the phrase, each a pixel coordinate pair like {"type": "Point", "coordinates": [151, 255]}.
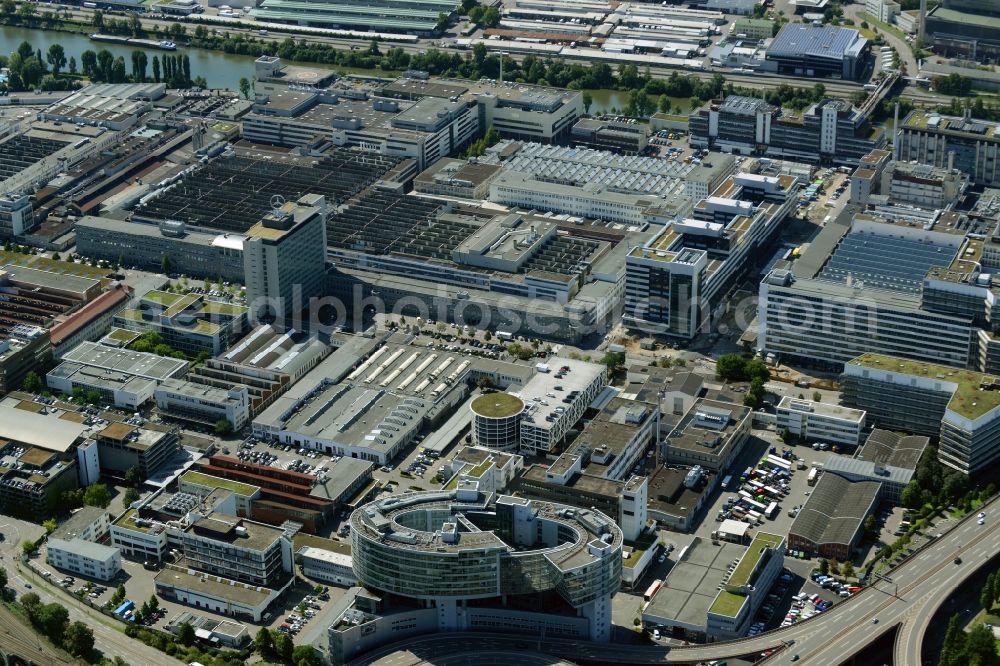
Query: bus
{"type": "Point", "coordinates": [811, 479]}
{"type": "Point", "coordinates": [772, 511]}
{"type": "Point", "coordinates": [505, 335]}
{"type": "Point", "coordinates": [651, 590]}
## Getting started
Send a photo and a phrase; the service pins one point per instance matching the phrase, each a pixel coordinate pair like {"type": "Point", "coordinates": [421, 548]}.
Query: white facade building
{"type": "Point", "coordinates": [85, 558]}
{"type": "Point", "coordinates": [820, 421]}
{"type": "Point", "coordinates": [327, 566]}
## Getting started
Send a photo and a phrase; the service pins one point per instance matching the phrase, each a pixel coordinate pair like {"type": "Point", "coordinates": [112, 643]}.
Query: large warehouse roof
{"type": "Point", "coordinates": [835, 511]}
{"type": "Point", "coordinates": [47, 432]}
{"type": "Point", "coordinates": [799, 39]}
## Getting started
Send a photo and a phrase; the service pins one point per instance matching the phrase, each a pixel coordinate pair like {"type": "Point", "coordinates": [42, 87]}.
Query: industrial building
{"type": "Point", "coordinates": [967, 144]}
{"type": "Point", "coordinates": [678, 496]}
{"type": "Point", "coordinates": [923, 185]}
{"type": "Point", "coordinates": [23, 349]}
{"type": "Point", "coordinates": [492, 571]}
{"type": "Point", "coordinates": [959, 406]}
{"type": "Point", "coordinates": [456, 178]}
{"type": "Point", "coordinates": [802, 49]}
{"type": "Point", "coordinates": [674, 280]}
{"type": "Point", "coordinates": [887, 457]}
{"type": "Point", "coordinates": [967, 29]}
{"type": "Point", "coordinates": [623, 138]}
{"type": "Point", "coordinates": [736, 605]}
{"type": "Point", "coordinates": [831, 522]}
{"type": "Point", "coordinates": [711, 435]}
{"type": "Point", "coordinates": [411, 17]}
{"type": "Point", "coordinates": [205, 405]}
{"type": "Point", "coordinates": [832, 131]}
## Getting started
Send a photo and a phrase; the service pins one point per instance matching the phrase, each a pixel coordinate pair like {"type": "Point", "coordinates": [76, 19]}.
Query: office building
{"type": "Point", "coordinates": [332, 564]}
{"type": "Point", "coordinates": [24, 349]}
{"type": "Point", "coordinates": [492, 472]}
{"type": "Point", "coordinates": [888, 285]}
{"type": "Point", "coordinates": [831, 131]}
{"type": "Point", "coordinates": [802, 49]}
{"type": "Point", "coordinates": [545, 422]}
{"type": "Point", "coordinates": [218, 632]}
{"type": "Point", "coordinates": [820, 421]}
{"type": "Point", "coordinates": [83, 558]}
{"type": "Point", "coordinates": [617, 438]}
{"type": "Point", "coordinates": [883, 10]}
{"type": "Point", "coordinates": [122, 377]}
{"type": "Point", "coordinates": [202, 485]}
{"type": "Point", "coordinates": [966, 144]}
{"type": "Point", "coordinates": [831, 522]}
{"type": "Point", "coordinates": [90, 523]}
{"type": "Point", "coordinates": [736, 605]}
{"type": "Point", "coordinates": [16, 216]}
{"type": "Point", "coordinates": [961, 407]}
{"type": "Point", "coordinates": [213, 593]}
{"type": "Point", "coordinates": [37, 460]}
{"type": "Point", "coordinates": [237, 549]}
{"type": "Point", "coordinates": [623, 138]}
{"type": "Point", "coordinates": [753, 28]}
{"type": "Point", "coordinates": [140, 539]}
{"type": "Point", "coordinates": [284, 258]}
{"type": "Point", "coordinates": [674, 280]}
{"type": "Point", "coordinates": [197, 254]}
{"type": "Point", "coordinates": [186, 322]}
{"type": "Point", "coordinates": [205, 405]}
{"type": "Point", "coordinates": [517, 111]}
{"type": "Point", "coordinates": [424, 130]}
{"type": "Point", "coordinates": [89, 322]}
{"type": "Point", "coordinates": [505, 553]}
{"type": "Point", "coordinates": [866, 180]}
{"type": "Point", "coordinates": [122, 446]}
{"type": "Point", "coordinates": [457, 178]}
{"type": "Point", "coordinates": [711, 435]}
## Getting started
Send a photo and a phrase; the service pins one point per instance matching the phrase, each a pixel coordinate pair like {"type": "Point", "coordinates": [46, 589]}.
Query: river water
{"type": "Point", "coordinates": [221, 70]}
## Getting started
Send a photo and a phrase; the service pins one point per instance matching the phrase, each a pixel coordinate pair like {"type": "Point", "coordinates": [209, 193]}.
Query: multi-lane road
{"type": "Point", "coordinates": [917, 588]}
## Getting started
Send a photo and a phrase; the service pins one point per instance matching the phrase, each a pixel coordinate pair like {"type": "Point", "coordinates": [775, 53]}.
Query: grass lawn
{"type": "Point", "coordinates": [884, 27]}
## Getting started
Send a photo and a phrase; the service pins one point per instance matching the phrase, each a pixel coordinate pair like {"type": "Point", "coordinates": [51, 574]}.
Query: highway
{"type": "Point", "coordinates": [922, 582]}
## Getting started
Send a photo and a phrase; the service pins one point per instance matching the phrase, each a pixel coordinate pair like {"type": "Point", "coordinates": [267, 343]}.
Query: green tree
{"type": "Point", "coordinates": [442, 22]}
{"type": "Point", "coordinates": [133, 476]}
{"type": "Point", "coordinates": [165, 265]}
{"type": "Point", "coordinates": [305, 655]}
{"type": "Point", "coordinates": [283, 646]}
{"type": "Point", "coordinates": [56, 57]}
{"type": "Point", "coordinates": [28, 546]}
{"type": "Point", "coordinates": [119, 595]}
{"type": "Point", "coordinates": [986, 594]}
{"type": "Point", "coordinates": [50, 525]}
{"type": "Point", "coordinates": [246, 88]}
{"type": "Point", "coordinates": [817, 396]}
{"type": "Point", "coordinates": [97, 495]}
{"type": "Point", "coordinates": [824, 566]}
{"type": "Point", "coordinates": [588, 100]}
{"type": "Point", "coordinates": [223, 427]}
{"type": "Point", "coordinates": [156, 68]}
{"type": "Point", "coordinates": [130, 496]}
{"type": "Point", "coordinates": [911, 496]}
{"type": "Point", "coordinates": [72, 65]}
{"type": "Point", "coordinates": [139, 62]}
{"type": "Point", "coordinates": [264, 642]}
{"type": "Point", "coordinates": [954, 644]}
{"type": "Point", "coordinates": [32, 382]}
{"type": "Point", "coordinates": [32, 70]}
{"type": "Point", "coordinates": [980, 647]}
{"type": "Point", "coordinates": [97, 20]}
{"type": "Point", "coordinates": [491, 17]}
{"type": "Point", "coordinates": [8, 7]}
{"type": "Point", "coordinates": [79, 639]}
{"type": "Point", "coordinates": [871, 525]}
{"type": "Point", "coordinates": [3, 581]}
{"type": "Point", "coordinates": [730, 366]}
{"type": "Point", "coordinates": [476, 14]}
{"type": "Point", "coordinates": [185, 634]}
{"type": "Point", "coordinates": [847, 569]}
{"type": "Point", "coordinates": [52, 618]}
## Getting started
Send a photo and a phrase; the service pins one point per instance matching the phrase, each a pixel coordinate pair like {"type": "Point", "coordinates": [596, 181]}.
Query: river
{"type": "Point", "coordinates": [221, 70]}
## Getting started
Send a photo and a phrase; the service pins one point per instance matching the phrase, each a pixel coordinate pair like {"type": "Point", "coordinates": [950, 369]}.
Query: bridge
{"type": "Point", "coordinates": [907, 600]}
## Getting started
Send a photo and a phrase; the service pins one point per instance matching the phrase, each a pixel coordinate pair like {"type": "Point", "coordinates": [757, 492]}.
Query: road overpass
{"type": "Point", "coordinates": [917, 588]}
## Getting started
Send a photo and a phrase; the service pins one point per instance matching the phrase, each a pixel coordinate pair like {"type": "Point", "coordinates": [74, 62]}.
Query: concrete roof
{"type": "Point", "coordinates": [46, 432]}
